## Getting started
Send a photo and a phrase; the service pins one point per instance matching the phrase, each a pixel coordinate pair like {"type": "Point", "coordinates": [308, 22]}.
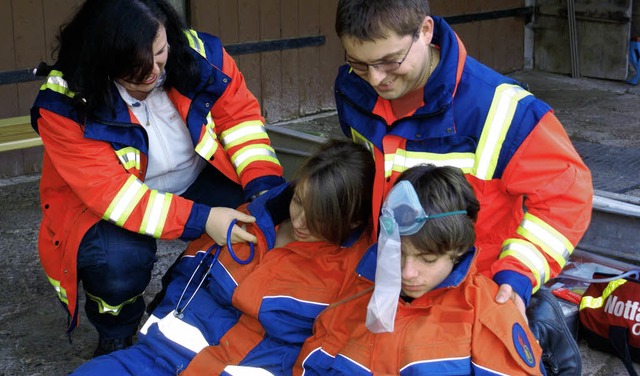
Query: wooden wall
{"type": "Point", "coordinates": [497, 43]}
{"type": "Point", "coordinates": [27, 33]}
{"type": "Point", "coordinates": [289, 83]}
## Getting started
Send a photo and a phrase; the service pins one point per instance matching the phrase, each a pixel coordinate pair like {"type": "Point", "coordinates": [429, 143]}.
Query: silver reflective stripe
{"type": "Point", "coordinates": [243, 131]}
{"type": "Point", "coordinates": [530, 256]}
{"type": "Point", "coordinates": [177, 331]}
{"type": "Point", "coordinates": [251, 152]}
{"type": "Point", "coordinates": [156, 214]}
{"type": "Point", "coordinates": [547, 238]}
{"type": "Point", "coordinates": [404, 160]}
{"type": "Point", "coordinates": [125, 201]}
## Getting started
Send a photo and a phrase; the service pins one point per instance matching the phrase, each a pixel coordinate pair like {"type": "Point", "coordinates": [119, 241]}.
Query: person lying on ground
{"type": "Point", "coordinates": [255, 305]}
{"type": "Point", "coordinates": [430, 310]}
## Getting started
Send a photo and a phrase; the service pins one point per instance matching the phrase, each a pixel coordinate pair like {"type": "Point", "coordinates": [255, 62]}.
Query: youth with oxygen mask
{"type": "Point", "coordinates": [429, 303]}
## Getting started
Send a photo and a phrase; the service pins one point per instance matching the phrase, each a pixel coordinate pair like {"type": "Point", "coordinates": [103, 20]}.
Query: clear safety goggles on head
{"type": "Point", "coordinates": [402, 206]}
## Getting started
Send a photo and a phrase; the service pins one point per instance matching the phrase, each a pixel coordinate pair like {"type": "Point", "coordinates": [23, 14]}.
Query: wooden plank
{"type": "Point", "coordinates": [331, 54]}
{"type": "Point", "coordinates": [7, 47]}
{"type": "Point", "coordinates": [229, 22]}
{"type": "Point", "coordinates": [271, 62]}
{"type": "Point", "coordinates": [309, 58]}
{"type": "Point", "coordinates": [249, 31]}
{"type": "Point", "coordinates": [290, 70]}
{"type": "Point", "coordinates": [16, 133]}
{"type": "Point", "coordinates": [27, 92]}
{"type": "Point", "coordinates": [14, 121]}
{"type": "Point", "coordinates": [56, 13]}
{"type": "Point", "coordinates": [29, 32]}
{"type": "Point", "coordinates": [205, 16]}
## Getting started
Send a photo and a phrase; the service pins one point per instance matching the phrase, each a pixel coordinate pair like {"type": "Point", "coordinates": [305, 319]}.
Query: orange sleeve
{"type": "Point", "coordinates": [558, 193]}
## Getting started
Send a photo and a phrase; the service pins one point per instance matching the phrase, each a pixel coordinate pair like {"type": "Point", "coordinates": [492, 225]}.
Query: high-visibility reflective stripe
{"type": "Point", "coordinates": [597, 302]}
{"type": "Point", "coordinates": [195, 42]}
{"type": "Point", "coordinates": [129, 157]}
{"type": "Point", "coordinates": [58, 84]}
{"type": "Point", "coordinates": [155, 216]}
{"type": "Point", "coordinates": [546, 237]}
{"type": "Point", "coordinates": [403, 160]}
{"type": "Point", "coordinates": [208, 144]}
{"type": "Point", "coordinates": [125, 201]}
{"type": "Point", "coordinates": [60, 291]}
{"type": "Point", "coordinates": [530, 256]}
{"type": "Point", "coordinates": [178, 331]}
{"type": "Point", "coordinates": [503, 107]}
{"type": "Point", "coordinates": [243, 132]}
{"type": "Point", "coordinates": [104, 307]}
{"type": "Point", "coordinates": [252, 153]}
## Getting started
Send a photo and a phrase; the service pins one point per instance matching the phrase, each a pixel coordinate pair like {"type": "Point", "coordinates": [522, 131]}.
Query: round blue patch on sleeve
{"type": "Point", "coordinates": [522, 345]}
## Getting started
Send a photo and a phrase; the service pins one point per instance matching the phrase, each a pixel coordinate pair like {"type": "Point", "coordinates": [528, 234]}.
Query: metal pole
{"type": "Point", "coordinates": [573, 39]}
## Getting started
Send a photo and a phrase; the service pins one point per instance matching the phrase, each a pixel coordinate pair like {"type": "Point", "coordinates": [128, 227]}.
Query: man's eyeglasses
{"type": "Point", "coordinates": [385, 66]}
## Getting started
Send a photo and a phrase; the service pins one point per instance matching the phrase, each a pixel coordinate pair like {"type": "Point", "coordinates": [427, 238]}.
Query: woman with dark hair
{"type": "Point", "coordinates": [251, 305]}
{"type": "Point", "coordinates": [149, 131]}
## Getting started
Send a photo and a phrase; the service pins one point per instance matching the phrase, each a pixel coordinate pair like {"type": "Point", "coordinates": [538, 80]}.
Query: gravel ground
{"type": "Point", "coordinates": [32, 322]}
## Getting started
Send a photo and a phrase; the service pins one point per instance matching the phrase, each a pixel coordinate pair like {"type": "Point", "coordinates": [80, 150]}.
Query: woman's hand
{"type": "Point", "coordinates": [218, 224]}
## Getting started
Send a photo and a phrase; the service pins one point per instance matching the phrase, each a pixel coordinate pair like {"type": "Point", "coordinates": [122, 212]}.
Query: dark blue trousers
{"type": "Point", "coordinates": [115, 265]}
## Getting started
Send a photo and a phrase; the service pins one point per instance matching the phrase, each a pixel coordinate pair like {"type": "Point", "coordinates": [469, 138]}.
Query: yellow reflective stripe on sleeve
{"type": "Point", "coordinates": [530, 256]}
{"type": "Point", "coordinates": [155, 216]}
{"type": "Point", "coordinates": [61, 292]}
{"type": "Point", "coordinates": [546, 237]}
{"type": "Point", "coordinates": [125, 201]}
{"type": "Point", "coordinates": [403, 160]}
{"type": "Point", "coordinates": [208, 144]}
{"type": "Point", "coordinates": [58, 84]}
{"type": "Point", "coordinates": [104, 307]}
{"type": "Point", "coordinates": [597, 302]}
{"type": "Point", "coordinates": [243, 132]}
{"type": "Point", "coordinates": [195, 42]}
{"type": "Point", "coordinates": [129, 157]}
{"type": "Point", "coordinates": [503, 107]}
{"type": "Point", "coordinates": [253, 153]}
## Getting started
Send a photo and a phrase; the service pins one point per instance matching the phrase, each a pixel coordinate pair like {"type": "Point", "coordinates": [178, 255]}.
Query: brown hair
{"type": "Point", "coordinates": [367, 20]}
{"type": "Point", "coordinates": [339, 177]}
{"type": "Point", "coordinates": [443, 189]}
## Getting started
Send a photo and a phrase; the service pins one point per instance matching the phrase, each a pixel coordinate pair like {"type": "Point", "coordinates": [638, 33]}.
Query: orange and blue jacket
{"type": "Point", "coordinates": [535, 192]}
{"type": "Point", "coordinates": [94, 169]}
{"type": "Point", "coordinates": [455, 329]}
{"type": "Point", "coordinates": [257, 312]}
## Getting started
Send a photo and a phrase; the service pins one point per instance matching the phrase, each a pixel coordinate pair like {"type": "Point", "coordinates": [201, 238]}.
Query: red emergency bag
{"type": "Point", "coordinates": [610, 316]}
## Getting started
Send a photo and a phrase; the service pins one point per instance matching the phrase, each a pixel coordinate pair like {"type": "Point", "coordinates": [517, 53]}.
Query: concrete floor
{"type": "Point", "coordinates": [600, 115]}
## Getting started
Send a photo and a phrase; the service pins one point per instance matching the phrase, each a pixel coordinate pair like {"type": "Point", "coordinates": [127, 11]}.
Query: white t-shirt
{"type": "Point", "coordinates": [173, 164]}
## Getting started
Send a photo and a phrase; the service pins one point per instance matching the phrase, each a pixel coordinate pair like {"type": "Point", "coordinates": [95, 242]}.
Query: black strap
{"type": "Point", "coordinates": [620, 342]}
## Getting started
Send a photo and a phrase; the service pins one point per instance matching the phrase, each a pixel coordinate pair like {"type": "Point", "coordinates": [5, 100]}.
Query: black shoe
{"type": "Point", "coordinates": [109, 345]}
{"type": "Point", "coordinates": [560, 352]}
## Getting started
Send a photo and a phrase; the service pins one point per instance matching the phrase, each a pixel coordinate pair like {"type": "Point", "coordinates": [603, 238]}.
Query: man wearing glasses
{"type": "Point", "coordinates": [411, 94]}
